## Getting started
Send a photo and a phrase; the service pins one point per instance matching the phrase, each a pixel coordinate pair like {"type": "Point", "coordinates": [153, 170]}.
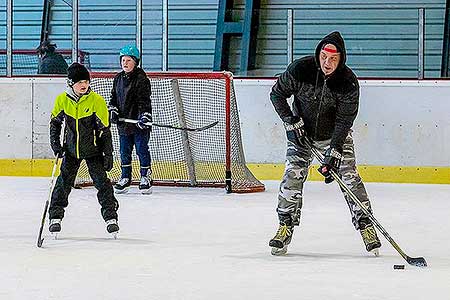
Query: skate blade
{"type": "Point", "coordinates": [147, 191]}
{"type": "Point", "coordinates": [55, 235]}
{"type": "Point", "coordinates": [114, 235]}
{"type": "Point", "coordinates": [124, 191]}
{"type": "Point", "coordinates": [279, 251]}
{"type": "Point", "coordinates": [375, 252]}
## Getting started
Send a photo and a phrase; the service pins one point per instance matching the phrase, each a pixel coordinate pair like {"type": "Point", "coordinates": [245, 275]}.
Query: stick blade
{"type": "Point", "coordinates": [39, 242]}
{"type": "Point", "coordinates": [416, 261]}
{"type": "Point", "coordinates": [207, 126]}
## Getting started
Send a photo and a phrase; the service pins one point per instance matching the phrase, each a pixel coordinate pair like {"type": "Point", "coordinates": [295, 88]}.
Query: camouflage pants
{"type": "Point", "coordinates": [298, 160]}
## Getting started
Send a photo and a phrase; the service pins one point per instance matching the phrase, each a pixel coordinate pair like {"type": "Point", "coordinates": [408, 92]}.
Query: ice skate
{"type": "Point", "coordinates": [145, 185]}
{"type": "Point", "coordinates": [281, 239]}
{"type": "Point", "coordinates": [122, 186]}
{"type": "Point", "coordinates": [55, 227]}
{"type": "Point", "coordinates": [112, 227]}
{"type": "Point", "coordinates": [369, 236]}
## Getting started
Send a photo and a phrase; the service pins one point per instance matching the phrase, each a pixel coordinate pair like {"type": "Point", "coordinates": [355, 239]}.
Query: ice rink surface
{"type": "Point", "coordinates": [189, 243]}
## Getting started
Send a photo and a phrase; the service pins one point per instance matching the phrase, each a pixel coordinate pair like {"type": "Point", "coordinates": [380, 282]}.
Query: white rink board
{"type": "Point", "coordinates": [403, 123]}
{"type": "Point", "coordinates": [44, 94]}
{"type": "Point", "coordinates": [400, 123]}
{"type": "Point", "coordinates": [16, 118]}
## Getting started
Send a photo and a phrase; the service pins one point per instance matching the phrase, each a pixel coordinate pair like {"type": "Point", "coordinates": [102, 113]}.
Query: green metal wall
{"type": "Point", "coordinates": [381, 36]}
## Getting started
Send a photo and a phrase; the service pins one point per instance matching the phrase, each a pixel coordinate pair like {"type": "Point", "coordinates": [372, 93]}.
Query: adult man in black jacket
{"type": "Point", "coordinates": [326, 98]}
{"type": "Point", "coordinates": [50, 61]}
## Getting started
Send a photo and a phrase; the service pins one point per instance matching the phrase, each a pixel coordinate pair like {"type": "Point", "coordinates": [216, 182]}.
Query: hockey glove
{"type": "Point", "coordinates": [113, 114]}
{"type": "Point", "coordinates": [331, 161]}
{"type": "Point", "coordinates": [145, 121]}
{"type": "Point", "coordinates": [108, 162]}
{"type": "Point", "coordinates": [58, 150]}
{"type": "Point", "coordinates": [295, 130]}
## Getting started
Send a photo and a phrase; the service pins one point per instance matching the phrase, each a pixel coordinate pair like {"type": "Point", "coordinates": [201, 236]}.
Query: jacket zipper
{"type": "Point", "coordinates": [78, 133]}
{"type": "Point", "coordinates": [318, 111]}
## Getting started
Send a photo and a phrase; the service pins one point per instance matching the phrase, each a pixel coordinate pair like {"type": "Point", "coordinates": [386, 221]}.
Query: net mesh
{"type": "Point", "coordinates": [25, 62]}
{"type": "Point", "coordinates": [182, 157]}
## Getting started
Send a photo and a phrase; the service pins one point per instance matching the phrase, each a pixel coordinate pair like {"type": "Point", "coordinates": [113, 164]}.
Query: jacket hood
{"type": "Point", "coordinates": [336, 39]}
{"type": "Point", "coordinates": [70, 93]}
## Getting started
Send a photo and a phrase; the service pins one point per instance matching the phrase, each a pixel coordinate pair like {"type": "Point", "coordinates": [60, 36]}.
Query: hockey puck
{"type": "Point", "coordinates": [399, 267]}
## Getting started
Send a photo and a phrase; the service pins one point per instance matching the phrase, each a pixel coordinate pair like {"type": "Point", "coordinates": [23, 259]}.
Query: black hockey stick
{"type": "Point", "coordinates": [414, 261]}
{"type": "Point", "coordinates": [171, 126]}
{"type": "Point", "coordinates": [40, 239]}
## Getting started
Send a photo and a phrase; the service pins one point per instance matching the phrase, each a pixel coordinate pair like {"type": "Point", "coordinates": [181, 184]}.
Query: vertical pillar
{"type": "Point", "coordinates": [290, 36]}
{"type": "Point", "coordinates": [75, 30]}
{"type": "Point", "coordinates": [139, 27]}
{"type": "Point", "coordinates": [9, 37]}
{"type": "Point", "coordinates": [446, 41]}
{"type": "Point", "coordinates": [421, 46]}
{"type": "Point", "coordinates": [165, 35]}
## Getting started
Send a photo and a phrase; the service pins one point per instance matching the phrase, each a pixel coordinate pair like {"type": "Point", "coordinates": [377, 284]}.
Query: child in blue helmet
{"type": "Point", "coordinates": [130, 98]}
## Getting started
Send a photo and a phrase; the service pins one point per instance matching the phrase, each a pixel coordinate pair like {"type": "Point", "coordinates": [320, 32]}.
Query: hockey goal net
{"type": "Point", "coordinates": [210, 158]}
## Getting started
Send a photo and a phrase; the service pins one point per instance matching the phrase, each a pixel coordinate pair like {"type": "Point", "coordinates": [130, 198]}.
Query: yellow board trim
{"type": "Point", "coordinates": [433, 175]}
{"type": "Point", "coordinates": [393, 174]}
{"type": "Point", "coordinates": [26, 167]}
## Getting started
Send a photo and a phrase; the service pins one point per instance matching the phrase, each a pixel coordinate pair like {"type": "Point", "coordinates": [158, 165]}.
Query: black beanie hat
{"type": "Point", "coordinates": [77, 72]}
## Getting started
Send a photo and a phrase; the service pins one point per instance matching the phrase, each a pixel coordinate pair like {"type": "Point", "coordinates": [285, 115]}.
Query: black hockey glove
{"type": "Point", "coordinates": [58, 150]}
{"type": "Point", "coordinates": [295, 130]}
{"type": "Point", "coordinates": [108, 162]}
{"type": "Point", "coordinates": [331, 161]}
{"type": "Point", "coordinates": [113, 114]}
{"type": "Point", "coordinates": [145, 121]}
{"type": "Point", "coordinates": [55, 136]}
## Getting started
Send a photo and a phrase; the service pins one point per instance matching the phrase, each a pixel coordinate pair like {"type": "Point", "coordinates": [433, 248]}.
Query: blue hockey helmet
{"type": "Point", "coordinates": [132, 51]}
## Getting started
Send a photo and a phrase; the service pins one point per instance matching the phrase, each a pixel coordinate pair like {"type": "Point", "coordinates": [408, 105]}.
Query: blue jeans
{"type": "Point", "coordinates": [139, 139]}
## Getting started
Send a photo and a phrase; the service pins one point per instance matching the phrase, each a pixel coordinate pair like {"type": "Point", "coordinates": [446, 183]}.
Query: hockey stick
{"type": "Point", "coordinates": [171, 126]}
{"type": "Point", "coordinates": [40, 239]}
{"type": "Point", "coordinates": [414, 261]}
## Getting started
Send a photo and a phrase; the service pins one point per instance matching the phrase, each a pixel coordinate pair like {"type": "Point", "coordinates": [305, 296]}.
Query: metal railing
{"type": "Point", "coordinates": [420, 39]}
{"type": "Point", "coordinates": [290, 24]}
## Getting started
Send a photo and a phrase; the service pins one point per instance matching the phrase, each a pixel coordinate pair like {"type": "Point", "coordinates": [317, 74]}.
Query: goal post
{"type": "Point", "coordinates": [210, 158]}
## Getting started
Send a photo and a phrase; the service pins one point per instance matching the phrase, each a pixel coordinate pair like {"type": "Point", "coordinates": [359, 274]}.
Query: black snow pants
{"type": "Point", "coordinates": [66, 179]}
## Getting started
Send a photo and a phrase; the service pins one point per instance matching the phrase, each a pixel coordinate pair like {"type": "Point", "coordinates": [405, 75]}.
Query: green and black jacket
{"type": "Point", "coordinates": [86, 131]}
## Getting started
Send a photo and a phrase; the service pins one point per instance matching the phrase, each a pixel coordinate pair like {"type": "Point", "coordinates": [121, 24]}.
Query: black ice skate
{"type": "Point", "coordinates": [369, 236]}
{"type": "Point", "coordinates": [122, 186]}
{"type": "Point", "coordinates": [112, 227]}
{"type": "Point", "coordinates": [145, 185]}
{"type": "Point", "coordinates": [281, 239]}
{"type": "Point", "coordinates": [55, 227]}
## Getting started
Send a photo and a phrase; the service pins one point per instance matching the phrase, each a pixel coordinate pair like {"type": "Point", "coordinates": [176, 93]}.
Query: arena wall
{"type": "Point", "coordinates": [401, 132]}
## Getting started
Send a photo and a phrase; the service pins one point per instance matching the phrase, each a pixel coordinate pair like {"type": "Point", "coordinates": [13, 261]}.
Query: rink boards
{"type": "Point", "coordinates": [401, 132]}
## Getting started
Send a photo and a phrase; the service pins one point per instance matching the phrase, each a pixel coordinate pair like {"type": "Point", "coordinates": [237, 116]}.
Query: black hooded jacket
{"type": "Point", "coordinates": [52, 63]}
{"type": "Point", "coordinates": [327, 105]}
{"type": "Point", "coordinates": [131, 95]}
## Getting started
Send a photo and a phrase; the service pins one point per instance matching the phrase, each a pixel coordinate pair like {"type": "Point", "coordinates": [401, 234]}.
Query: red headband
{"type": "Point", "coordinates": [329, 50]}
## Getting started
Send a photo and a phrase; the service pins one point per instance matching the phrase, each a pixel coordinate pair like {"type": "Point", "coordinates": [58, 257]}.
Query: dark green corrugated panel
{"type": "Point", "coordinates": [381, 36]}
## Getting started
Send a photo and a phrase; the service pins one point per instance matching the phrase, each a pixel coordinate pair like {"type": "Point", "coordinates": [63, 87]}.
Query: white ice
{"type": "Point", "coordinates": [189, 243]}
